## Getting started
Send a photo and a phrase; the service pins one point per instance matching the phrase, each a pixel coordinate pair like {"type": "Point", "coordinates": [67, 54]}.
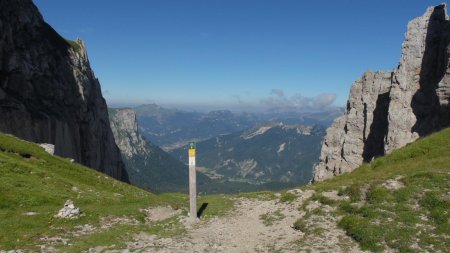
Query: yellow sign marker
{"type": "Point", "coordinates": [191, 152]}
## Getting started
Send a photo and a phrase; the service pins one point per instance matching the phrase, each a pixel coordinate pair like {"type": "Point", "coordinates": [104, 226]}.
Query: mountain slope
{"type": "Point", "coordinates": [386, 111]}
{"type": "Point", "coordinates": [397, 203]}
{"type": "Point", "coordinates": [49, 93]}
{"type": "Point", "coordinates": [34, 185]}
{"type": "Point", "coordinates": [148, 166]}
{"type": "Point", "coordinates": [266, 153]}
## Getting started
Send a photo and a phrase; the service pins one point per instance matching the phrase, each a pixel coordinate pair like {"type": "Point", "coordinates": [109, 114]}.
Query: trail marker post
{"type": "Point", "coordinates": [192, 183]}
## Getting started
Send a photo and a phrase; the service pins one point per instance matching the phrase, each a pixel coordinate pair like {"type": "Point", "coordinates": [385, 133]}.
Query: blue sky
{"type": "Point", "coordinates": [235, 54]}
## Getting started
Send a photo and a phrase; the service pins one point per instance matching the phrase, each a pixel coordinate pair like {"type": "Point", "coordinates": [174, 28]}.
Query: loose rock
{"type": "Point", "coordinates": [69, 211]}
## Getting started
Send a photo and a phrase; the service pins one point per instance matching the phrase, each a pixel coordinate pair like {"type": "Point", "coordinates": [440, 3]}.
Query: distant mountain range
{"type": "Point", "coordinates": [252, 167]}
{"type": "Point", "coordinates": [147, 165]}
{"type": "Point", "coordinates": [173, 128]}
{"type": "Point", "coordinates": [271, 152]}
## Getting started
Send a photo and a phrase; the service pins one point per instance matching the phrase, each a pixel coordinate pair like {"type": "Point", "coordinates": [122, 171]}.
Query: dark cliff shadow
{"type": "Point", "coordinates": [430, 115]}
{"type": "Point", "coordinates": [201, 210]}
{"type": "Point", "coordinates": [374, 144]}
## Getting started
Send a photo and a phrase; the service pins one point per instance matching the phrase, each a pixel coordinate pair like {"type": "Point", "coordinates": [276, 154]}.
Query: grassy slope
{"type": "Point", "coordinates": [414, 218]}
{"type": "Point", "coordinates": [33, 181]}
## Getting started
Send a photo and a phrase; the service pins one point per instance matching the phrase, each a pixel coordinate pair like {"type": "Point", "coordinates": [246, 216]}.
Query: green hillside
{"type": "Point", "coordinates": [400, 201]}
{"type": "Point", "coordinates": [35, 185]}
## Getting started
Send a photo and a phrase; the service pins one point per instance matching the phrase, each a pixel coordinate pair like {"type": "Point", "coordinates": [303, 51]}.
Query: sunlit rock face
{"type": "Point", "coordinates": [386, 111]}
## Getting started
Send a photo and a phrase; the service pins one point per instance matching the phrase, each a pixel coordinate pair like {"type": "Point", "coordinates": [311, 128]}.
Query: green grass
{"type": "Point", "coordinates": [323, 200]}
{"type": "Point", "coordinates": [287, 197]}
{"type": "Point", "coordinates": [263, 195]}
{"type": "Point", "coordinates": [33, 181]}
{"type": "Point", "coordinates": [411, 219]}
{"type": "Point", "coordinates": [73, 44]}
{"type": "Point", "coordinates": [353, 191]}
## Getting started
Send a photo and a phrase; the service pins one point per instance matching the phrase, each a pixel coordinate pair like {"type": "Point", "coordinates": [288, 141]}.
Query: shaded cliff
{"type": "Point", "coordinates": [386, 111]}
{"type": "Point", "coordinates": [148, 166]}
{"type": "Point", "coordinates": [48, 92]}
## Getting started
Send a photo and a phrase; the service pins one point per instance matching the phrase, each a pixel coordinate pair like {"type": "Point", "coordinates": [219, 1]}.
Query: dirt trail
{"type": "Point", "coordinates": [254, 226]}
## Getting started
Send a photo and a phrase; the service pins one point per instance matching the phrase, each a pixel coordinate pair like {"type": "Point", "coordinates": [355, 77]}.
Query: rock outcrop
{"type": "Point", "coordinates": [48, 92]}
{"type": "Point", "coordinates": [148, 166]}
{"type": "Point", "coordinates": [386, 111]}
{"type": "Point", "coordinates": [69, 211]}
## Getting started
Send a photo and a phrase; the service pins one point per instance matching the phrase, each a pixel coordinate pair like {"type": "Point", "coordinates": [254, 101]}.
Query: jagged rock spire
{"type": "Point", "coordinates": [386, 111]}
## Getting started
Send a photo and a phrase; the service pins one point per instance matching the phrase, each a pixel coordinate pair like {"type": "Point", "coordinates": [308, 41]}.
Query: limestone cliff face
{"type": "Point", "coordinates": [386, 111]}
{"type": "Point", "coordinates": [48, 92]}
{"type": "Point", "coordinates": [419, 100]}
{"type": "Point", "coordinates": [125, 130]}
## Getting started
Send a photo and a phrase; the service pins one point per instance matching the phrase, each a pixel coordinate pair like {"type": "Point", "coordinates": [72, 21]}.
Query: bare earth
{"type": "Point", "coordinates": [254, 226]}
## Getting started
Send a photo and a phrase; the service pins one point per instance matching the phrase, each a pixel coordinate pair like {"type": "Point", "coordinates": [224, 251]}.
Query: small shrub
{"type": "Point", "coordinates": [323, 200]}
{"type": "Point", "coordinates": [300, 225]}
{"type": "Point", "coordinates": [368, 212]}
{"type": "Point", "coordinates": [377, 195]}
{"type": "Point", "coordinates": [304, 205]}
{"type": "Point", "coordinates": [288, 197]}
{"type": "Point", "coordinates": [269, 218]}
{"type": "Point", "coordinates": [348, 207]}
{"type": "Point", "coordinates": [368, 235]}
{"type": "Point", "coordinates": [353, 191]}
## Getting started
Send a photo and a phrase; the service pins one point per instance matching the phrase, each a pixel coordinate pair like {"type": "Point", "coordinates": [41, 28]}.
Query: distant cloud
{"type": "Point", "coordinates": [238, 99]}
{"type": "Point", "coordinates": [324, 100]}
{"type": "Point", "coordinates": [277, 92]}
{"type": "Point", "coordinates": [278, 101]}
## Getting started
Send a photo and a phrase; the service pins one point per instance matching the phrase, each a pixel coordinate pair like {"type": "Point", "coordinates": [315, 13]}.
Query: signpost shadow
{"type": "Point", "coordinates": [201, 210]}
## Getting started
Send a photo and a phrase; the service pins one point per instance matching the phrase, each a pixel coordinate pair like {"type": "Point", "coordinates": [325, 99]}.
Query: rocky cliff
{"type": "Point", "coordinates": [386, 111]}
{"type": "Point", "coordinates": [148, 166]}
{"type": "Point", "coordinates": [124, 127]}
{"type": "Point", "coordinates": [48, 92]}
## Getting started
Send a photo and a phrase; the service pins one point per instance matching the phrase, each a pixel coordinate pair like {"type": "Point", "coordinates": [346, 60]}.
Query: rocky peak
{"type": "Point", "coordinates": [386, 111]}
{"type": "Point", "coordinates": [420, 89]}
{"type": "Point", "coordinates": [125, 129]}
{"type": "Point", "coordinates": [48, 92]}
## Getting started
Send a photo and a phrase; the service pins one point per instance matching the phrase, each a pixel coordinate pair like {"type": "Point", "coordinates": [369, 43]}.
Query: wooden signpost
{"type": "Point", "coordinates": [192, 183]}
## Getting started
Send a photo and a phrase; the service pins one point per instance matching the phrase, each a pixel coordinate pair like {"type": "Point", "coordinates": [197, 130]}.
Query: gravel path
{"type": "Point", "coordinates": [254, 226]}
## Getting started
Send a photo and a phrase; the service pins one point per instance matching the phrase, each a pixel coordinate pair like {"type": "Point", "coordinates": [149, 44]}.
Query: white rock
{"type": "Point", "coordinates": [49, 148]}
{"type": "Point", "coordinates": [69, 211]}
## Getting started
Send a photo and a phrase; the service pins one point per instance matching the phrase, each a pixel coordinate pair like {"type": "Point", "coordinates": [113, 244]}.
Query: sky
{"type": "Point", "coordinates": [234, 54]}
